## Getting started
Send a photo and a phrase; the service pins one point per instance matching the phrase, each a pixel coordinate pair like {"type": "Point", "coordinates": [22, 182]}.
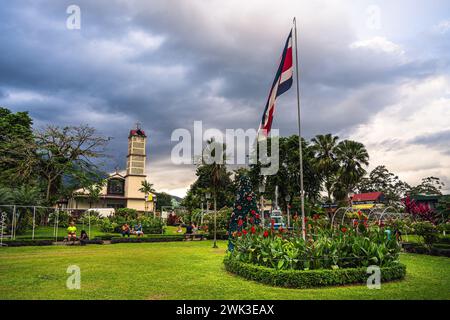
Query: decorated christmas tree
{"type": "Point", "coordinates": [245, 211]}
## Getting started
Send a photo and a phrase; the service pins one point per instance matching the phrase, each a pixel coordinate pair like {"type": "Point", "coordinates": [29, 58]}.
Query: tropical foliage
{"type": "Point", "coordinates": [360, 245]}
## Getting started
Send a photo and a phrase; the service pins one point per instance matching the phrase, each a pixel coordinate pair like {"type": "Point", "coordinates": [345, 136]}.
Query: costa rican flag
{"type": "Point", "coordinates": [281, 84]}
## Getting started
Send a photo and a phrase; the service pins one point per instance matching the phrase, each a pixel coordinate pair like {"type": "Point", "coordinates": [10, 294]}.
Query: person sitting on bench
{"type": "Point", "coordinates": [126, 230]}
{"type": "Point", "coordinates": [72, 232]}
{"type": "Point", "coordinates": [138, 230]}
{"type": "Point", "coordinates": [83, 237]}
{"type": "Point", "coordinates": [189, 229]}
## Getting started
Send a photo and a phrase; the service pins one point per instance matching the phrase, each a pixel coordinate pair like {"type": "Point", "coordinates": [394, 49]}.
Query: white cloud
{"type": "Point", "coordinates": [422, 111]}
{"type": "Point", "coordinates": [379, 44]}
{"type": "Point", "coordinates": [442, 27]}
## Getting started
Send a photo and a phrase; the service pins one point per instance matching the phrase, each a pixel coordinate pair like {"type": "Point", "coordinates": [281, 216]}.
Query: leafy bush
{"type": "Point", "coordinates": [127, 213]}
{"type": "Point", "coordinates": [309, 278]}
{"type": "Point", "coordinates": [444, 227]}
{"type": "Point", "coordinates": [427, 231]}
{"type": "Point", "coordinates": [64, 218]}
{"type": "Point", "coordinates": [222, 219]}
{"type": "Point", "coordinates": [149, 224]}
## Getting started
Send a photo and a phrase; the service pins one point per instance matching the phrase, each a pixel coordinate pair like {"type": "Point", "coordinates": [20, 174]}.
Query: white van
{"type": "Point", "coordinates": [103, 212]}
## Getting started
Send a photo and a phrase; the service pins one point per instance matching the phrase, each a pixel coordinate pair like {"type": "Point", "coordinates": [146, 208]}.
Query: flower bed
{"type": "Point", "coordinates": [309, 278]}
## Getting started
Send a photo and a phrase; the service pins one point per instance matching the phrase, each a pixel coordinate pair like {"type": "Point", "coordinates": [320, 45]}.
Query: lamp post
{"type": "Point", "coordinates": [261, 188]}
{"type": "Point", "coordinates": [208, 195]}
{"type": "Point", "coordinates": [351, 195]}
{"type": "Point", "coordinates": [288, 198]}
{"type": "Point", "coordinates": [201, 219]}
{"type": "Point", "coordinates": [154, 206]}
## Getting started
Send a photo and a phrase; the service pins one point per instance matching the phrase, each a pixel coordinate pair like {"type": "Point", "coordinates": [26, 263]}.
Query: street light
{"type": "Point", "coordinates": [261, 188]}
{"type": "Point", "coordinates": [288, 198]}
{"type": "Point", "coordinates": [203, 212]}
{"type": "Point", "coordinates": [208, 195]}
{"type": "Point", "coordinates": [351, 195]}
{"type": "Point", "coordinates": [154, 206]}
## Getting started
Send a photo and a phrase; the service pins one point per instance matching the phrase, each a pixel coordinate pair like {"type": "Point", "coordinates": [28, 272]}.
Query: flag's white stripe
{"type": "Point", "coordinates": [286, 75]}
{"type": "Point", "coordinates": [273, 96]}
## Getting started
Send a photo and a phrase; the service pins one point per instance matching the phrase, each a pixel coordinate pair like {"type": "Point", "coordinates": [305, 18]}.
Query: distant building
{"type": "Point", "coordinates": [368, 200]}
{"type": "Point", "coordinates": [429, 200]}
{"type": "Point", "coordinates": [122, 190]}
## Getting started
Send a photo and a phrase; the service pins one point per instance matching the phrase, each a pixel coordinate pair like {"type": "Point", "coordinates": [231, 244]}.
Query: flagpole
{"type": "Point", "coordinates": [302, 193]}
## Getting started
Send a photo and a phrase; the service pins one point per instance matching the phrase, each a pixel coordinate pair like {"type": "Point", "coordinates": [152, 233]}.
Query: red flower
{"type": "Point", "coordinates": [257, 216]}
{"type": "Point", "coordinates": [266, 234]}
{"type": "Point", "coordinates": [239, 207]}
{"type": "Point", "coordinates": [244, 231]}
{"type": "Point", "coordinates": [240, 222]}
{"type": "Point", "coordinates": [281, 229]}
{"type": "Point", "coordinates": [359, 213]}
{"type": "Point", "coordinates": [253, 230]}
{"type": "Point", "coordinates": [355, 223]}
{"type": "Point", "coordinates": [252, 220]}
{"type": "Point", "coordinates": [316, 216]}
{"type": "Point", "coordinates": [249, 198]}
{"type": "Point", "coordinates": [253, 212]}
{"type": "Point", "coordinates": [344, 229]}
{"type": "Point", "coordinates": [239, 234]}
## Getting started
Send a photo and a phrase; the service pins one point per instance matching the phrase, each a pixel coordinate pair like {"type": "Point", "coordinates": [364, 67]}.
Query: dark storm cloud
{"type": "Point", "coordinates": [168, 63]}
{"type": "Point", "coordinates": [439, 140]}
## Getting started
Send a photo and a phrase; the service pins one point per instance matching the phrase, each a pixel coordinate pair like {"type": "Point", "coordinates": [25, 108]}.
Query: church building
{"type": "Point", "coordinates": [121, 190]}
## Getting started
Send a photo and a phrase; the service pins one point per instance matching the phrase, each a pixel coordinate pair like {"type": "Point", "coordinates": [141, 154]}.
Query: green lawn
{"type": "Point", "coordinates": [182, 270]}
{"type": "Point", "coordinates": [46, 232]}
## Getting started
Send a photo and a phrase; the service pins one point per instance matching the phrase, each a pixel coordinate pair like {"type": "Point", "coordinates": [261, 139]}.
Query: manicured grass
{"type": "Point", "coordinates": [182, 270]}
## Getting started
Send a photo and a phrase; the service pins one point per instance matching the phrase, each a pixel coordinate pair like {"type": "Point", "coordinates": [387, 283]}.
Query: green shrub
{"type": "Point", "coordinates": [427, 231]}
{"type": "Point", "coordinates": [127, 213]}
{"type": "Point", "coordinates": [309, 278]}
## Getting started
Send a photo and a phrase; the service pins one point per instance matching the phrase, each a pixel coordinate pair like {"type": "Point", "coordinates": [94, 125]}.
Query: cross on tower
{"type": "Point", "coordinates": [138, 125]}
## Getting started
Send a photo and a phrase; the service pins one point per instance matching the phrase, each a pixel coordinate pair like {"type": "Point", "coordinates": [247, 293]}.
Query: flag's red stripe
{"type": "Point", "coordinates": [288, 60]}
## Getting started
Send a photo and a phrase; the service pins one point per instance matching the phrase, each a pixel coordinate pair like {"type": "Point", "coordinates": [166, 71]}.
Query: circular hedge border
{"type": "Point", "coordinates": [309, 278]}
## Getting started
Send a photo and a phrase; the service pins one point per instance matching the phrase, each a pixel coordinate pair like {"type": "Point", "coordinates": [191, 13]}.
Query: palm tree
{"type": "Point", "coordinates": [352, 156]}
{"type": "Point", "coordinates": [324, 148]}
{"type": "Point", "coordinates": [218, 174]}
{"type": "Point", "coordinates": [147, 188]}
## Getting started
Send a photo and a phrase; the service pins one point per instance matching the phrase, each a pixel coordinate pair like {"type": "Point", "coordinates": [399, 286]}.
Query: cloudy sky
{"type": "Point", "coordinates": [373, 71]}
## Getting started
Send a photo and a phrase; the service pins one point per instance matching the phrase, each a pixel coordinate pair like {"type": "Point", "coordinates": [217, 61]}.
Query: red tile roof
{"type": "Point", "coordinates": [369, 196]}
{"type": "Point", "coordinates": [137, 132]}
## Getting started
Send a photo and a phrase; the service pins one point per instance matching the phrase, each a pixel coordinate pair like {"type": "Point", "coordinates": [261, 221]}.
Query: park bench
{"type": "Point", "coordinates": [194, 236]}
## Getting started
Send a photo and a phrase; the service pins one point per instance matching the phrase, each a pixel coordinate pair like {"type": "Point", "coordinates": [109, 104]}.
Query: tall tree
{"type": "Point", "coordinates": [428, 186]}
{"type": "Point", "coordinates": [381, 179]}
{"type": "Point", "coordinates": [353, 157]}
{"type": "Point", "coordinates": [15, 135]}
{"type": "Point", "coordinates": [324, 148]}
{"type": "Point", "coordinates": [63, 151]}
{"type": "Point", "coordinates": [146, 188]}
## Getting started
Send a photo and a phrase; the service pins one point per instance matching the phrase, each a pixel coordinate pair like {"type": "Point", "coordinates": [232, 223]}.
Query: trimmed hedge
{"type": "Point", "coordinates": [24, 243]}
{"type": "Point", "coordinates": [149, 239]}
{"type": "Point", "coordinates": [436, 250]}
{"type": "Point", "coordinates": [309, 278]}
